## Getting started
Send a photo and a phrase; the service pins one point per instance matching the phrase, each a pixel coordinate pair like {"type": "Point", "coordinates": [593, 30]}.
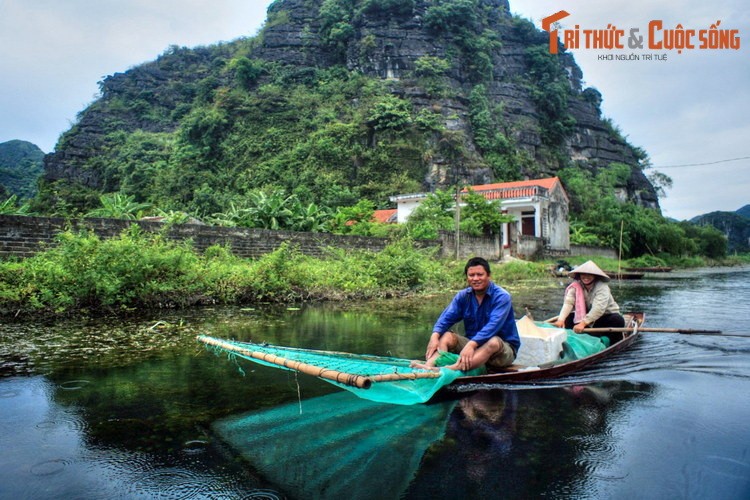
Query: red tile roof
{"type": "Point", "coordinates": [383, 216]}
{"type": "Point", "coordinates": [547, 183]}
{"type": "Point", "coordinates": [515, 189]}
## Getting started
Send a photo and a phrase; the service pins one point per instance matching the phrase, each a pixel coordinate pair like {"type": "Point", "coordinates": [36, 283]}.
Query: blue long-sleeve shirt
{"type": "Point", "coordinates": [481, 322]}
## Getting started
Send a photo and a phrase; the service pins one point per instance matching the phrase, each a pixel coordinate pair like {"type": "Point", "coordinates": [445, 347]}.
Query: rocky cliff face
{"type": "Point", "coordinates": [167, 85]}
{"type": "Point", "coordinates": [386, 39]}
{"type": "Point", "coordinates": [396, 42]}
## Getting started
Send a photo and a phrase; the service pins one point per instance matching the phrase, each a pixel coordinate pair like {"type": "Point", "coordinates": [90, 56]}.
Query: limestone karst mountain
{"type": "Point", "coordinates": [338, 100]}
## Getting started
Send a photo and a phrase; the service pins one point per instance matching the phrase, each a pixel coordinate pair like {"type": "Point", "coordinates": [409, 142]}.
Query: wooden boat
{"type": "Point", "coordinates": [625, 275]}
{"type": "Point", "coordinates": [520, 374]}
{"type": "Point", "coordinates": [655, 269]}
{"type": "Point", "coordinates": [396, 381]}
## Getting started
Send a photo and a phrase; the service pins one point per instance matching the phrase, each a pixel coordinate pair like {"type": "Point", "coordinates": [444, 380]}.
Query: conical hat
{"type": "Point", "coordinates": [588, 267]}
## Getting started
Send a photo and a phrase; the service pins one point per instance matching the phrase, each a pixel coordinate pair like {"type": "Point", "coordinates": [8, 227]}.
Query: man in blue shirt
{"type": "Point", "coordinates": [487, 312]}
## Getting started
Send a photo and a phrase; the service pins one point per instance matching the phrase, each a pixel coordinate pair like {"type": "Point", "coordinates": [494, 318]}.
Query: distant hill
{"type": "Point", "coordinates": [744, 211]}
{"type": "Point", "coordinates": [734, 225]}
{"type": "Point", "coordinates": [20, 167]}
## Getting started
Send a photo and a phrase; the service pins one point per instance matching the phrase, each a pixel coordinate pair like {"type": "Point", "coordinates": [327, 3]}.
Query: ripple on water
{"type": "Point", "coordinates": [194, 447]}
{"type": "Point", "coordinates": [262, 494]}
{"type": "Point", "coordinates": [728, 466]}
{"type": "Point", "coordinates": [117, 462]}
{"type": "Point", "coordinates": [233, 490]}
{"type": "Point", "coordinates": [595, 449]}
{"type": "Point", "coordinates": [170, 482]}
{"type": "Point", "coordinates": [63, 421]}
{"type": "Point", "coordinates": [74, 385]}
{"type": "Point", "coordinates": [49, 467]}
{"type": "Point", "coordinates": [9, 393]}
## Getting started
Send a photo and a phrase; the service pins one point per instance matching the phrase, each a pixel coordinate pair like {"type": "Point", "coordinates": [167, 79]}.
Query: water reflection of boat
{"type": "Point", "coordinates": [499, 443]}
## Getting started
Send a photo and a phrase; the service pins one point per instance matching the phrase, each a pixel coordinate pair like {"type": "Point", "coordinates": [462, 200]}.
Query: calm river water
{"type": "Point", "coordinates": [137, 409]}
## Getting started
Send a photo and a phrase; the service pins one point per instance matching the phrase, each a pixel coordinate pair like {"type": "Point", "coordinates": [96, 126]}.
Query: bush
{"type": "Point", "coordinates": [518, 270]}
{"type": "Point", "coordinates": [86, 274]}
{"type": "Point", "coordinates": [647, 261]}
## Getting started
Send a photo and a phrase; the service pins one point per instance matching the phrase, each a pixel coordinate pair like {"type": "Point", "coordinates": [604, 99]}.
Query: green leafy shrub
{"type": "Point", "coordinates": [84, 273]}
{"type": "Point", "coordinates": [517, 271]}
{"type": "Point", "coordinates": [388, 7]}
{"type": "Point", "coordinates": [647, 261]}
{"type": "Point", "coordinates": [400, 265]}
{"type": "Point", "coordinates": [390, 113]}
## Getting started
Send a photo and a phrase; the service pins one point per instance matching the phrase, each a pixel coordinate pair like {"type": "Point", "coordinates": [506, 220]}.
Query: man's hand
{"type": "Point", "coordinates": [432, 346]}
{"type": "Point", "coordinates": [467, 356]}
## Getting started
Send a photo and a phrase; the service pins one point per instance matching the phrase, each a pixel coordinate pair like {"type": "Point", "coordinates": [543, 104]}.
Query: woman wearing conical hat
{"type": "Point", "coordinates": [588, 301]}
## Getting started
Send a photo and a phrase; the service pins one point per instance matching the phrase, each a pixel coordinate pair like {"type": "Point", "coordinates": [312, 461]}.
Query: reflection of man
{"type": "Point", "coordinates": [487, 312]}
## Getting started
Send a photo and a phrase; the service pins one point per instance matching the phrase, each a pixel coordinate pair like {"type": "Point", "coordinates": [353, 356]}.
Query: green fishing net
{"type": "Point", "coordinates": [337, 446]}
{"type": "Point", "coordinates": [376, 378]}
{"type": "Point", "coordinates": [580, 345]}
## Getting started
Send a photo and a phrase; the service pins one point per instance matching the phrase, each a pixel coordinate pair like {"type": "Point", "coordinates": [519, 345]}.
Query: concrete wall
{"type": "Point", "coordinates": [470, 246]}
{"type": "Point", "coordinates": [24, 236]}
{"type": "Point", "coordinates": [581, 250]}
{"type": "Point", "coordinates": [529, 247]}
{"type": "Point", "coordinates": [558, 237]}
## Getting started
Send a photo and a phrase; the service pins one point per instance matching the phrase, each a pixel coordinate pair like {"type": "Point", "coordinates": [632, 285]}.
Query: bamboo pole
{"type": "Point", "coordinates": [389, 377]}
{"type": "Point", "coordinates": [686, 331]}
{"type": "Point", "coordinates": [664, 330]}
{"type": "Point", "coordinates": [619, 255]}
{"type": "Point", "coordinates": [358, 381]}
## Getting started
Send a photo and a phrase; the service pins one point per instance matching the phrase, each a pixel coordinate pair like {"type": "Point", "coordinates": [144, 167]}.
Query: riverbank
{"type": "Point", "coordinates": [86, 275]}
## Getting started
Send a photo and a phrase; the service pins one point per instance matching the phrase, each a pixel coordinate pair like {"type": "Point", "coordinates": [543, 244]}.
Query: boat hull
{"type": "Point", "coordinates": [552, 372]}
{"type": "Point", "coordinates": [520, 375]}
{"type": "Point", "coordinates": [625, 276]}
{"type": "Point", "coordinates": [649, 269]}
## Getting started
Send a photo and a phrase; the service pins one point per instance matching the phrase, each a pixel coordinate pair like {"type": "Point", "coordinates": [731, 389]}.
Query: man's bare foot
{"type": "Point", "coordinates": [422, 366]}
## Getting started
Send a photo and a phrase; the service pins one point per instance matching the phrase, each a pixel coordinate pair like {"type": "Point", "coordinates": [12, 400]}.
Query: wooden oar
{"type": "Point", "coordinates": [686, 331]}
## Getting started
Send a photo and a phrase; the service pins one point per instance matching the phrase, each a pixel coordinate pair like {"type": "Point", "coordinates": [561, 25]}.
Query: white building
{"type": "Point", "coordinates": [539, 207]}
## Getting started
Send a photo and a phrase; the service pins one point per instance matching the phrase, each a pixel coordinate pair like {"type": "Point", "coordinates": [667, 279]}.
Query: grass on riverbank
{"type": "Point", "coordinates": [84, 274]}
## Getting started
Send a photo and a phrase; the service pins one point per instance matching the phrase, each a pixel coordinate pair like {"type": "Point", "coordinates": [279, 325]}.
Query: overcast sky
{"type": "Point", "coordinates": [692, 108]}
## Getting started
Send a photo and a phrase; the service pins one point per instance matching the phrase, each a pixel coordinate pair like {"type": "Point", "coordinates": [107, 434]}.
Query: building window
{"type": "Point", "coordinates": [528, 223]}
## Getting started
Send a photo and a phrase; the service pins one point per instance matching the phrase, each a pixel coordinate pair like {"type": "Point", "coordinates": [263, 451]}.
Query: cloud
{"type": "Point", "coordinates": [53, 53]}
{"type": "Point", "coordinates": [690, 108]}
